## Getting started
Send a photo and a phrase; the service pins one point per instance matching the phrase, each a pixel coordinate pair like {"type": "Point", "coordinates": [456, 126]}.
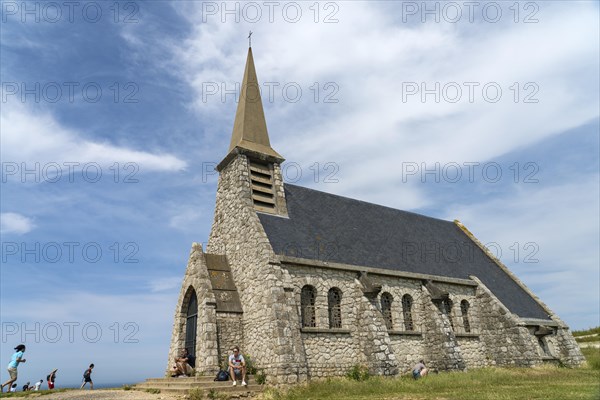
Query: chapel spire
{"type": "Point", "coordinates": [250, 133]}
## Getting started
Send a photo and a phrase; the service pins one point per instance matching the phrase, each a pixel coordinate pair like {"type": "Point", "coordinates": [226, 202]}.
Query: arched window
{"type": "Point", "coordinates": [307, 306]}
{"type": "Point", "coordinates": [334, 307]}
{"type": "Point", "coordinates": [447, 309]}
{"type": "Point", "coordinates": [464, 310]}
{"type": "Point", "coordinates": [191, 323]}
{"type": "Point", "coordinates": [386, 309]}
{"type": "Point", "coordinates": [407, 303]}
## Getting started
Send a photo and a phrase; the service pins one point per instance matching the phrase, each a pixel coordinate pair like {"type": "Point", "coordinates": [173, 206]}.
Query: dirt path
{"type": "Point", "coordinates": [108, 394]}
{"type": "Point", "coordinates": [590, 344]}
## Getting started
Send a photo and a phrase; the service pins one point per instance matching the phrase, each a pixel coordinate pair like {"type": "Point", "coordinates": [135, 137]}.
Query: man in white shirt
{"type": "Point", "coordinates": [38, 384]}
{"type": "Point", "coordinates": [237, 366]}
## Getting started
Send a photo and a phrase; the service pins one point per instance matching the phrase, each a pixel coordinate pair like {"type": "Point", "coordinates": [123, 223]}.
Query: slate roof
{"type": "Point", "coordinates": [333, 228]}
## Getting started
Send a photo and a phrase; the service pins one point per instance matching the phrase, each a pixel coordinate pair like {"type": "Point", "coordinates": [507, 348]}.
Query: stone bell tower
{"type": "Point", "coordinates": [236, 293]}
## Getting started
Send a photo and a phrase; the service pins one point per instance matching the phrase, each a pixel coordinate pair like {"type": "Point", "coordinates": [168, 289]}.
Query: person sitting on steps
{"type": "Point", "coordinates": [185, 364]}
{"type": "Point", "coordinates": [237, 366]}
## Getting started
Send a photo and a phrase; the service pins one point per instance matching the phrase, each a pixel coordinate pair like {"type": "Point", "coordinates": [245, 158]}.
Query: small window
{"type": "Point", "coordinates": [307, 307]}
{"type": "Point", "coordinates": [407, 303]}
{"type": "Point", "coordinates": [464, 310]}
{"type": "Point", "coordinates": [334, 307]}
{"type": "Point", "coordinates": [386, 309]}
{"type": "Point", "coordinates": [447, 309]}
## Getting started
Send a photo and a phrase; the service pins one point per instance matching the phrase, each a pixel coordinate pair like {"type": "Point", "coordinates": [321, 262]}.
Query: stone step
{"type": "Point", "coordinates": [185, 388]}
{"type": "Point", "coordinates": [204, 383]}
{"type": "Point", "coordinates": [186, 379]}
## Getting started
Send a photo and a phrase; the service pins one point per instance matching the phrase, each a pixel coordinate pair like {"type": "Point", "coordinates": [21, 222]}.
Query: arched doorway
{"type": "Point", "coordinates": [191, 322]}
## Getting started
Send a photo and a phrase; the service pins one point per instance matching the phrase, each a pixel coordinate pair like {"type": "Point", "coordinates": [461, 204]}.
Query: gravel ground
{"type": "Point", "coordinates": [107, 394]}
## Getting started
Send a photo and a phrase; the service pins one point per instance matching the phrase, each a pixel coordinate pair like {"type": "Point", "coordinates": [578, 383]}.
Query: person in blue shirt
{"type": "Point", "coordinates": [16, 359]}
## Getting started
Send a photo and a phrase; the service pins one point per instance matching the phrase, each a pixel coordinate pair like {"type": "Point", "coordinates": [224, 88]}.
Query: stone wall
{"type": "Point", "coordinates": [472, 350]}
{"type": "Point", "coordinates": [341, 354]}
{"type": "Point", "coordinates": [365, 338]}
{"type": "Point", "coordinates": [408, 350]}
{"type": "Point", "coordinates": [230, 333]}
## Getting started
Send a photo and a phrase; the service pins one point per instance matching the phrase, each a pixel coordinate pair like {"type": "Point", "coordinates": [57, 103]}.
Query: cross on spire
{"type": "Point", "coordinates": [250, 39]}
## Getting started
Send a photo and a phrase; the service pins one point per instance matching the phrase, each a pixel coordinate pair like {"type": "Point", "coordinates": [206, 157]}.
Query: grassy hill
{"type": "Point", "coordinates": [591, 335]}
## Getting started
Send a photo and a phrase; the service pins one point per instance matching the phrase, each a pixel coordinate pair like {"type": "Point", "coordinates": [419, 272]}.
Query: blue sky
{"type": "Point", "coordinates": [95, 257]}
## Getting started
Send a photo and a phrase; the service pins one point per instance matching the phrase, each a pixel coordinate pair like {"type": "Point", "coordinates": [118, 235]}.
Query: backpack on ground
{"type": "Point", "coordinates": [222, 376]}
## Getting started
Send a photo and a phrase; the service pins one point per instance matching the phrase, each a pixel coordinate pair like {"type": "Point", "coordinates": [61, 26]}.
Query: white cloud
{"type": "Point", "coordinates": [371, 129]}
{"type": "Point", "coordinates": [549, 238]}
{"type": "Point", "coordinates": [15, 223]}
{"type": "Point", "coordinates": [164, 284]}
{"type": "Point", "coordinates": [34, 136]}
{"type": "Point", "coordinates": [185, 218]}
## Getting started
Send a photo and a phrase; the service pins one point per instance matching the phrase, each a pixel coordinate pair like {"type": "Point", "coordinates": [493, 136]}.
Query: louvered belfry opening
{"type": "Point", "coordinates": [263, 195]}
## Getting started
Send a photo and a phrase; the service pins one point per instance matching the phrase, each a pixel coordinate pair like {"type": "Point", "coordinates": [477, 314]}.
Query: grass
{"type": "Point", "coordinates": [544, 383]}
{"type": "Point", "coordinates": [592, 355]}
{"type": "Point", "coordinates": [196, 394]}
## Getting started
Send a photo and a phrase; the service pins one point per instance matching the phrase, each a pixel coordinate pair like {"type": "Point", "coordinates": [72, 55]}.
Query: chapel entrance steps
{"type": "Point", "coordinates": [204, 383]}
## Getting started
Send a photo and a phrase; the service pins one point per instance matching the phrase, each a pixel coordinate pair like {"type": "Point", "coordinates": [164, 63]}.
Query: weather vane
{"type": "Point", "coordinates": [250, 39]}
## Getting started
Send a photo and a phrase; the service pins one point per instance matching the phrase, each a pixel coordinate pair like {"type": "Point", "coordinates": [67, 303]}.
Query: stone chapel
{"type": "Point", "coordinates": [309, 284]}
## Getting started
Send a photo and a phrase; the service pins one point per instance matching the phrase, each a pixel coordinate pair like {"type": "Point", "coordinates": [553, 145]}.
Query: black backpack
{"type": "Point", "coordinates": [222, 376]}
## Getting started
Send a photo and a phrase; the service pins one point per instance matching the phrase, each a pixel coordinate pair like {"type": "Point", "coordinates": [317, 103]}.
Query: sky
{"type": "Point", "coordinates": [114, 114]}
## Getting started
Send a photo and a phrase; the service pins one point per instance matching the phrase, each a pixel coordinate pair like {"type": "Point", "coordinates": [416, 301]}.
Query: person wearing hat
{"type": "Point", "coordinates": [50, 379]}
